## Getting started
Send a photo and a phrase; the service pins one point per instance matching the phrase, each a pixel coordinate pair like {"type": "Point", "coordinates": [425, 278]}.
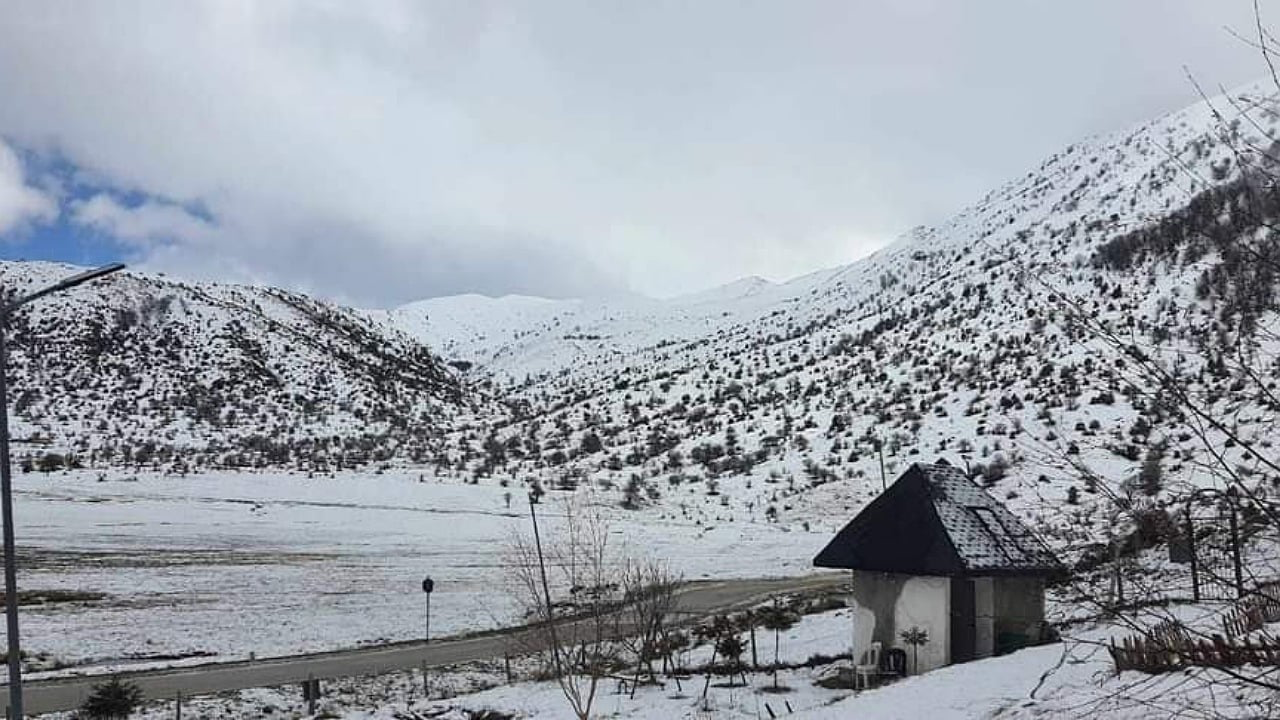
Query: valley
{"type": "Point", "coordinates": [214, 472]}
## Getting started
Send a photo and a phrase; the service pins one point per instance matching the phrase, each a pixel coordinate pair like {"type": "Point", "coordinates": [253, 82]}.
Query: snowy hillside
{"type": "Point", "coordinates": [463, 326]}
{"type": "Point", "coordinates": [979, 340]}
{"type": "Point", "coordinates": [989, 340]}
{"type": "Point", "coordinates": [515, 338]}
{"type": "Point", "coordinates": [142, 371]}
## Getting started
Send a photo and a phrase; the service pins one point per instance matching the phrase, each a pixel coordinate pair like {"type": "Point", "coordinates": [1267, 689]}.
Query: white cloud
{"type": "Point", "coordinates": [20, 202]}
{"type": "Point", "coordinates": [145, 225]}
{"type": "Point", "coordinates": [405, 148]}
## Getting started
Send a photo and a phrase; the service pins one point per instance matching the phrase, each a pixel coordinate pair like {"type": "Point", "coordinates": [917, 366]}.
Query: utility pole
{"type": "Point", "coordinates": [546, 587]}
{"type": "Point", "coordinates": [10, 558]}
{"type": "Point", "coordinates": [15, 709]}
{"type": "Point", "coordinates": [880, 449]}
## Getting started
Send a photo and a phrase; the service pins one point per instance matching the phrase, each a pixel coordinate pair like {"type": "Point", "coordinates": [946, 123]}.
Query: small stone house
{"type": "Point", "coordinates": [937, 552]}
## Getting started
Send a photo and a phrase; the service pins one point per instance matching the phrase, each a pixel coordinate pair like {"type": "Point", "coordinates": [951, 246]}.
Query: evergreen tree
{"type": "Point", "coordinates": [113, 700]}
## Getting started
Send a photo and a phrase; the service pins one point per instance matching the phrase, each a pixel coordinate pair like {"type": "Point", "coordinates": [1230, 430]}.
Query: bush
{"type": "Point", "coordinates": [1151, 477]}
{"type": "Point", "coordinates": [51, 462]}
{"type": "Point", "coordinates": [591, 444]}
{"type": "Point", "coordinates": [112, 700]}
{"type": "Point", "coordinates": [633, 493]}
{"type": "Point", "coordinates": [995, 471]}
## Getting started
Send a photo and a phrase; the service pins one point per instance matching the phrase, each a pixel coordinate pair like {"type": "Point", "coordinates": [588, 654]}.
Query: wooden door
{"type": "Point", "coordinates": [964, 625]}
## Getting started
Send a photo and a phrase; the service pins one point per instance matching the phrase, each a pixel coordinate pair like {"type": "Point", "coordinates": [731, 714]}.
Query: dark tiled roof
{"type": "Point", "coordinates": [982, 530]}
{"type": "Point", "coordinates": [935, 521]}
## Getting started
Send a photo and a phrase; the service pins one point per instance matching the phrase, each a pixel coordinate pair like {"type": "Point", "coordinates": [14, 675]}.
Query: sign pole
{"type": "Point", "coordinates": [428, 585]}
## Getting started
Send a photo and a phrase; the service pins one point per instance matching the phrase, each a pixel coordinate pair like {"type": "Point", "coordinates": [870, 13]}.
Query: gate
{"type": "Point", "coordinates": [1212, 537]}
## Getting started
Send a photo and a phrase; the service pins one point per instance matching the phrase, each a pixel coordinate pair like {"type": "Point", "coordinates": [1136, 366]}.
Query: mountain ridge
{"type": "Point", "coordinates": [763, 401]}
{"type": "Point", "coordinates": [964, 340]}
{"type": "Point", "coordinates": [213, 374]}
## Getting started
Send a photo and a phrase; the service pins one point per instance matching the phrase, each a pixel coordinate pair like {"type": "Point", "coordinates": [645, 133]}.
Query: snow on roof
{"type": "Point", "coordinates": [933, 520]}
{"type": "Point", "coordinates": [982, 530]}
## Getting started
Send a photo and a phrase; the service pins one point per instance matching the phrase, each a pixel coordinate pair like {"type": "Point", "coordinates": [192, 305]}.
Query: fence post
{"type": "Point", "coordinates": [755, 661]}
{"type": "Point", "coordinates": [1235, 549]}
{"type": "Point", "coordinates": [312, 690]}
{"type": "Point", "coordinates": [177, 715]}
{"type": "Point", "coordinates": [1117, 577]}
{"type": "Point", "coordinates": [1195, 562]}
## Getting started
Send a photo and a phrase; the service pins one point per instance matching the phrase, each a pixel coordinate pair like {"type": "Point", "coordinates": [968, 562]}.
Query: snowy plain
{"type": "Point", "coordinates": [219, 566]}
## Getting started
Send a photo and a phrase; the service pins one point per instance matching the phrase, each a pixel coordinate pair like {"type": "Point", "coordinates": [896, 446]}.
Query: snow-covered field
{"type": "Point", "coordinates": [226, 565]}
{"type": "Point", "coordinates": [1071, 679]}
{"type": "Point", "coordinates": [1074, 678]}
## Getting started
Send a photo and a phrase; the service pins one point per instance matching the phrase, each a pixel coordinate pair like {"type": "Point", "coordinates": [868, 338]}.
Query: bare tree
{"type": "Point", "coordinates": [580, 630]}
{"type": "Point", "coordinates": [715, 631]}
{"type": "Point", "coordinates": [777, 618]}
{"type": "Point", "coordinates": [649, 597]}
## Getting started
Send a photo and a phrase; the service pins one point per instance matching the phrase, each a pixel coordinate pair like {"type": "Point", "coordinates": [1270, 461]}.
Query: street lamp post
{"type": "Point", "coordinates": [428, 585]}
{"type": "Point", "coordinates": [6, 480]}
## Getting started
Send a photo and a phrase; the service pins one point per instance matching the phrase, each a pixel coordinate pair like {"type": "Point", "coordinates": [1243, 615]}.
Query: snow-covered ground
{"type": "Point", "coordinates": [1065, 680]}
{"type": "Point", "coordinates": [1070, 679]}
{"type": "Point", "coordinates": [231, 564]}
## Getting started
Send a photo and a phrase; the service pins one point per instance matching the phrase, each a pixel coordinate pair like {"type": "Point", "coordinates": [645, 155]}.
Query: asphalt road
{"type": "Point", "coordinates": [695, 599]}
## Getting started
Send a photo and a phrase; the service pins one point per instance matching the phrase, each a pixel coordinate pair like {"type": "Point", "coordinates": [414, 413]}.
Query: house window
{"type": "Point", "coordinates": [998, 534]}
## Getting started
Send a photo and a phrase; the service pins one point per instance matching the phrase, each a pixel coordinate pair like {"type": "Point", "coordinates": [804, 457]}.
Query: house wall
{"type": "Point", "coordinates": [926, 603]}
{"type": "Point", "coordinates": [1019, 607]}
{"type": "Point", "coordinates": [875, 595]}
{"type": "Point", "coordinates": [884, 604]}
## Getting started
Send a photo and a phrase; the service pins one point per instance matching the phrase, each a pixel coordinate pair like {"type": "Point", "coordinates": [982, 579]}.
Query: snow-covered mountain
{"type": "Point", "coordinates": [988, 340]}
{"type": "Point", "coordinates": [516, 338]}
{"type": "Point", "coordinates": [139, 370]}
{"type": "Point", "coordinates": [970, 340]}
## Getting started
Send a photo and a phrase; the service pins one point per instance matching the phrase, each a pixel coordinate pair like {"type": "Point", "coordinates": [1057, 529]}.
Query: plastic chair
{"type": "Point", "coordinates": [865, 674]}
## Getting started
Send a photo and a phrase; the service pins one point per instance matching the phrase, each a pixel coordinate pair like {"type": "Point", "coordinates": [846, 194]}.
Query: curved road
{"type": "Point", "coordinates": [694, 600]}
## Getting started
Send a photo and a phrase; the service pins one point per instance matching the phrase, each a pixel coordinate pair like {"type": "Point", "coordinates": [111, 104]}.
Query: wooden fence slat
{"type": "Point", "coordinates": [1168, 646]}
{"type": "Point", "coordinates": [1137, 653]}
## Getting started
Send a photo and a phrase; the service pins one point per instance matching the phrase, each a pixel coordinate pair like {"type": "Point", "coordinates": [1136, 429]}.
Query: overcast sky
{"type": "Point", "coordinates": [378, 152]}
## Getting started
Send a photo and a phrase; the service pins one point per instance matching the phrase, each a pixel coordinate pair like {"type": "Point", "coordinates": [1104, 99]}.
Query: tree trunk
{"type": "Point", "coordinates": [710, 668]}
{"type": "Point", "coordinates": [777, 644]}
